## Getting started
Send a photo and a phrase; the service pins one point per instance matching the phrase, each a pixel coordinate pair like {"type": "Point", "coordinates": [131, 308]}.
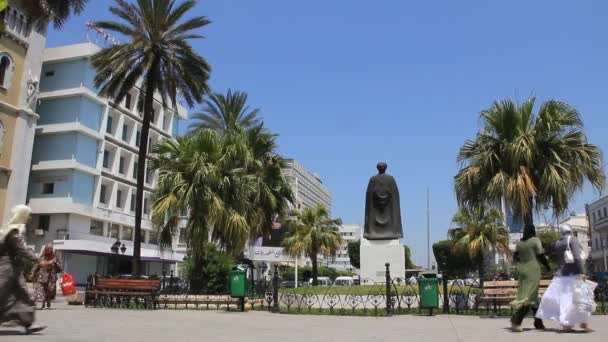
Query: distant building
{"type": "Point", "coordinates": [597, 212]}
{"type": "Point", "coordinates": [21, 46]}
{"type": "Point", "coordinates": [307, 187]}
{"type": "Point", "coordinates": [83, 180]}
{"type": "Point", "coordinates": [341, 262]}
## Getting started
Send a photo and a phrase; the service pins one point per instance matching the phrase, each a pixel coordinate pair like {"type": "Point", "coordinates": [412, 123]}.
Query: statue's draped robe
{"type": "Point", "coordinates": [382, 209]}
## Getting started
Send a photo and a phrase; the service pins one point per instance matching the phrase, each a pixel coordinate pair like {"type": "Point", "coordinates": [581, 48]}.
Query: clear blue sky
{"type": "Point", "coordinates": [348, 83]}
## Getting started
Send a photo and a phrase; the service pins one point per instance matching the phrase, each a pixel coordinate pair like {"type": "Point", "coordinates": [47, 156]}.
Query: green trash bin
{"type": "Point", "coordinates": [428, 285]}
{"type": "Point", "coordinates": [238, 284]}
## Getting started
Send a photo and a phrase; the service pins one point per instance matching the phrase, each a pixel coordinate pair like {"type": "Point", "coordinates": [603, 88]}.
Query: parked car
{"type": "Point", "coordinates": [321, 281]}
{"type": "Point", "coordinates": [290, 284]}
{"type": "Point", "coordinates": [344, 281]}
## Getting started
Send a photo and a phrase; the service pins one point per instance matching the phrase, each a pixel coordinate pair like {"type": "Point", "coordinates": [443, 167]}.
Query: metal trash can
{"type": "Point", "coordinates": [238, 284]}
{"type": "Point", "coordinates": [428, 286]}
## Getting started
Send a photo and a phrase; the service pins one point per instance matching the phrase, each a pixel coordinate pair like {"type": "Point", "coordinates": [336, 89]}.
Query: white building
{"type": "Point", "coordinates": [349, 233]}
{"type": "Point", "coordinates": [307, 187]}
{"type": "Point", "coordinates": [309, 191]}
{"type": "Point", "coordinates": [84, 162]}
{"type": "Point", "coordinates": [580, 228]}
{"type": "Point", "coordinates": [597, 212]}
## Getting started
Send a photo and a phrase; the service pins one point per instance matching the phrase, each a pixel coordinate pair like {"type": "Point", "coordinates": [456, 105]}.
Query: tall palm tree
{"type": "Point", "coordinates": [55, 11]}
{"type": "Point", "coordinates": [230, 183]}
{"type": "Point", "coordinates": [312, 233]}
{"type": "Point", "coordinates": [160, 56]}
{"type": "Point", "coordinates": [533, 162]}
{"type": "Point", "coordinates": [479, 233]}
{"type": "Point", "coordinates": [226, 112]}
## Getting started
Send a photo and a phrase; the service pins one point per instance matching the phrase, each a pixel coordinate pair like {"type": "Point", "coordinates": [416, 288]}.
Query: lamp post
{"type": "Point", "coordinates": [115, 248]}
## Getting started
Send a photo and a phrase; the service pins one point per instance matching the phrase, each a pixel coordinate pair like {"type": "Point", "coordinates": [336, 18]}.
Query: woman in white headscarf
{"type": "Point", "coordinates": [15, 301]}
{"type": "Point", "coordinates": [558, 303]}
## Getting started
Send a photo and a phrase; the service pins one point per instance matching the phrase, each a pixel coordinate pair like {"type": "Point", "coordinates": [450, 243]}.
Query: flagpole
{"type": "Point", "coordinates": [428, 229]}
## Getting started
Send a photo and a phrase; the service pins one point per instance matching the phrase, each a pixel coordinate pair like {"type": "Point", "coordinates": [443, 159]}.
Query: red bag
{"type": "Point", "coordinates": [68, 287]}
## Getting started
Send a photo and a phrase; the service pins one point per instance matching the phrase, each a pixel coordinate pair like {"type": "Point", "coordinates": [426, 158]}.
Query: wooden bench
{"type": "Point", "coordinates": [120, 292]}
{"type": "Point", "coordinates": [503, 292]}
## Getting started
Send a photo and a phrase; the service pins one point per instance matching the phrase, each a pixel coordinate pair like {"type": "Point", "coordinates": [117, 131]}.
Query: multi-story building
{"type": "Point", "coordinates": [307, 187]}
{"type": "Point", "coordinates": [348, 232]}
{"type": "Point", "coordinates": [83, 179]}
{"type": "Point", "coordinates": [21, 46]}
{"type": "Point", "coordinates": [597, 213]}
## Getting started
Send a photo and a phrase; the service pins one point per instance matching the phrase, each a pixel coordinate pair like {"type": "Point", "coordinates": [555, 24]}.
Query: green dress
{"type": "Point", "coordinates": [528, 270]}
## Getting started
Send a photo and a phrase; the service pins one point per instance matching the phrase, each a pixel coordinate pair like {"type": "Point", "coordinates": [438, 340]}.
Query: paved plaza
{"type": "Point", "coordinates": [67, 324]}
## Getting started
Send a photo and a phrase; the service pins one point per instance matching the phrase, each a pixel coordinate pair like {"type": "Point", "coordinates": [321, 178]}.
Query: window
{"type": "Point", "coordinates": [137, 134]}
{"type": "Point", "coordinates": [149, 176]}
{"type": "Point", "coordinates": [605, 214]}
{"type": "Point", "coordinates": [49, 73]}
{"type": "Point", "coordinates": [5, 70]}
{"type": "Point", "coordinates": [135, 166]}
{"type": "Point", "coordinates": [44, 222]}
{"type": "Point", "coordinates": [102, 194]}
{"type": "Point", "coordinates": [594, 218]}
{"type": "Point", "coordinates": [127, 233]}
{"type": "Point", "coordinates": [125, 132]}
{"type": "Point", "coordinates": [132, 202]}
{"type": "Point", "coordinates": [146, 209]}
{"type": "Point", "coordinates": [599, 214]}
{"type": "Point", "coordinates": [119, 198]}
{"type": "Point", "coordinates": [113, 233]}
{"type": "Point", "coordinates": [128, 101]}
{"type": "Point", "coordinates": [182, 235]}
{"type": "Point", "coordinates": [48, 188]}
{"type": "Point", "coordinates": [121, 165]}
{"type": "Point", "coordinates": [152, 238]}
{"type": "Point", "coordinates": [153, 116]}
{"type": "Point", "coordinates": [96, 228]}
{"type": "Point", "coordinates": [109, 125]}
{"type": "Point", "coordinates": [106, 159]}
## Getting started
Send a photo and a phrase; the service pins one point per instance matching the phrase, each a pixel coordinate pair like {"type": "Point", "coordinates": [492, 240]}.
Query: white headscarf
{"type": "Point", "coordinates": [21, 214]}
{"type": "Point", "coordinates": [565, 229]}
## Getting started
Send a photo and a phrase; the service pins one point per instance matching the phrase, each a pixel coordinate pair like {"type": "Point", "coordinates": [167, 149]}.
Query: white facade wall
{"type": "Point", "coordinates": [597, 212]}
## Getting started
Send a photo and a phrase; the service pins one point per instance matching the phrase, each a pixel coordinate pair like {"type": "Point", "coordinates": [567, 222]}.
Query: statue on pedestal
{"type": "Point", "coordinates": [382, 208]}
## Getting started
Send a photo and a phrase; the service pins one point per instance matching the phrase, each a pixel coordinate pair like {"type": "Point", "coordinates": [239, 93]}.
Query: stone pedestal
{"type": "Point", "coordinates": [375, 253]}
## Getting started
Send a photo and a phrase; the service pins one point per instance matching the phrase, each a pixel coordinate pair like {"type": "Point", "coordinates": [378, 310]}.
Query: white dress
{"type": "Point", "coordinates": [557, 303]}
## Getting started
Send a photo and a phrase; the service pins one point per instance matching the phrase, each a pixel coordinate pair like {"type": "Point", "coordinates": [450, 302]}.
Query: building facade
{"type": "Point", "coordinates": [21, 46]}
{"type": "Point", "coordinates": [307, 187]}
{"type": "Point", "coordinates": [83, 180]}
{"type": "Point", "coordinates": [341, 262]}
{"type": "Point", "coordinates": [597, 212]}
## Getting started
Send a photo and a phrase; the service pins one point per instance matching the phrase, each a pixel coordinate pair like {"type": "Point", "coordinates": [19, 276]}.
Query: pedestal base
{"type": "Point", "coordinates": [375, 253]}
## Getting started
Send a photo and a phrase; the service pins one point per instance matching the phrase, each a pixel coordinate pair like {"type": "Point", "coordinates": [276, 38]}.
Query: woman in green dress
{"type": "Point", "coordinates": [529, 255]}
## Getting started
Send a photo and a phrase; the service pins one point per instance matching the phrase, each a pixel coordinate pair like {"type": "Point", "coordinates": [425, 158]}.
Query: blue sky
{"type": "Point", "coordinates": [347, 83]}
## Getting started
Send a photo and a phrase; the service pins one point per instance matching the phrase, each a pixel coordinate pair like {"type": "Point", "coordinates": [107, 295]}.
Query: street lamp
{"type": "Point", "coordinates": [115, 248]}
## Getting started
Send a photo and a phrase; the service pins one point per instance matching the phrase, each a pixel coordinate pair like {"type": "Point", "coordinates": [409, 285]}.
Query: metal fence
{"type": "Point", "coordinates": [392, 296]}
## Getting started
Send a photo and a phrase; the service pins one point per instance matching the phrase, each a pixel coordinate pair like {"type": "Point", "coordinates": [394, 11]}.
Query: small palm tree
{"type": "Point", "coordinates": [479, 233]}
{"type": "Point", "coordinates": [534, 162]}
{"type": "Point", "coordinates": [226, 112]}
{"type": "Point", "coordinates": [160, 56]}
{"type": "Point", "coordinates": [55, 11]}
{"type": "Point", "coordinates": [312, 233]}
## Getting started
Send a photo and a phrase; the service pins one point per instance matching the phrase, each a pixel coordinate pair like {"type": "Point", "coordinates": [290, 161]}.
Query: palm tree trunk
{"type": "Point", "coordinates": [315, 270]}
{"type": "Point", "coordinates": [141, 166]}
{"type": "Point", "coordinates": [529, 216]}
{"type": "Point", "coordinates": [482, 272]}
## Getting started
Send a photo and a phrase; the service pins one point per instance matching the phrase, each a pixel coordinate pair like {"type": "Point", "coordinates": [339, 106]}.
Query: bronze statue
{"type": "Point", "coordinates": [382, 209]}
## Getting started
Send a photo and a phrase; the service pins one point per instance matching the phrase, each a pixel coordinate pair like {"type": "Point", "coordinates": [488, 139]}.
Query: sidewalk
{"type": "Point", "coordinates": [76, 323]}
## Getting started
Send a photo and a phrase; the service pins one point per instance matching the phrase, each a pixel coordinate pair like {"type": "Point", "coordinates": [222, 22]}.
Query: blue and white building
{"type": "Point", "coordinates": [83, 176]}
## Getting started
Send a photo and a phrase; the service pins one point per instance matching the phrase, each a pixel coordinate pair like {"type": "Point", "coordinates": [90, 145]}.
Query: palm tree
{"type": "Point", "coordinates": [226, 112]}
{"type": "Point", "coordinates": [160, 56]}
{"type": "Point", "coordinates": [533, 162]}
{"type": "Point", "coordinates": [478, 234]}
{"type": "Point", "coordinates": [312, 233]}
{"type": "Point", "coordinates": [231, 184]}
{"type": "Point", "coordinates": [55, 11]}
